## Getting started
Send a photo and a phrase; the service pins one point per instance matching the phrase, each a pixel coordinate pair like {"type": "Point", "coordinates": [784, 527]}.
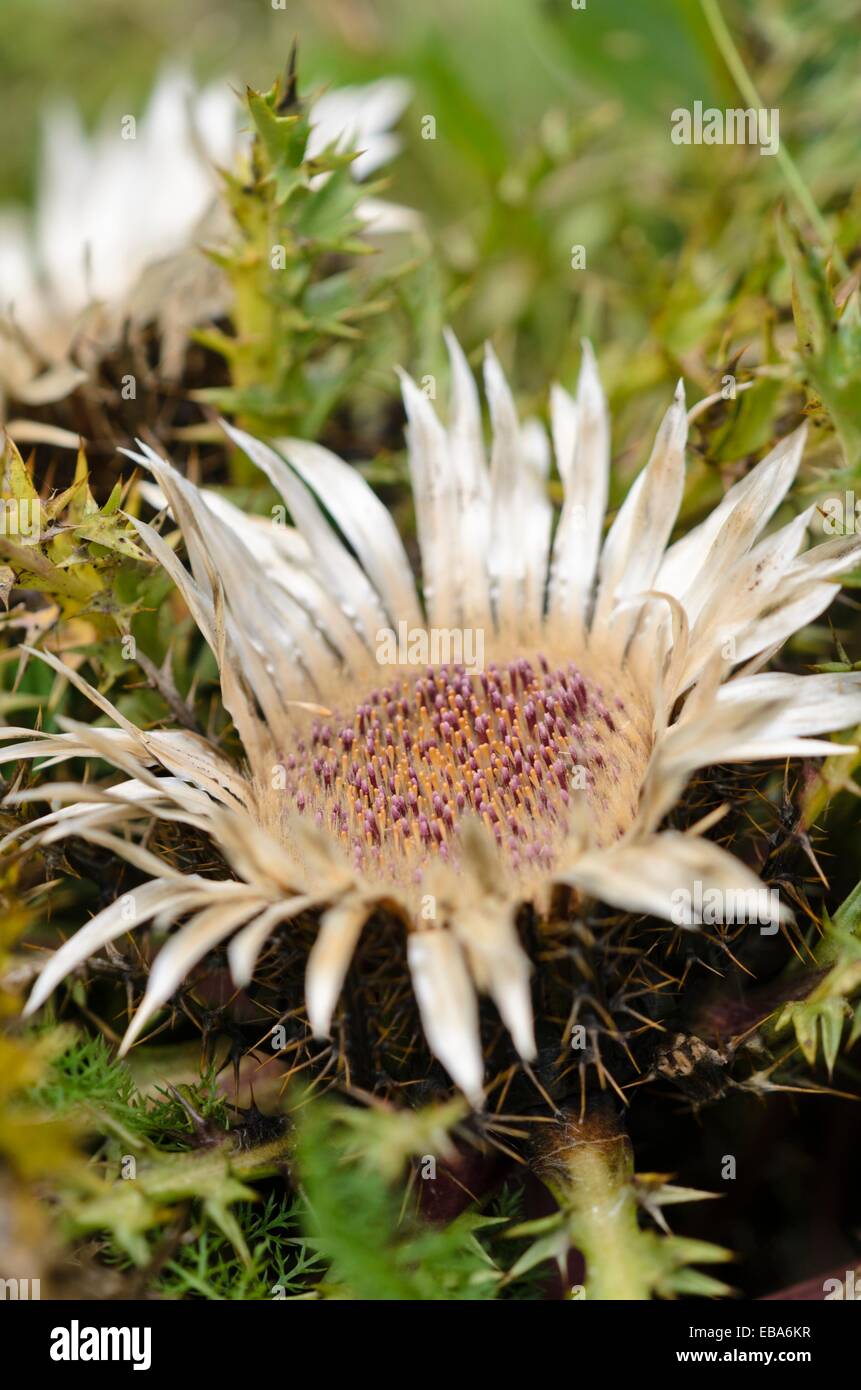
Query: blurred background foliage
{"type": "Point", "coordinates": [551, 131]}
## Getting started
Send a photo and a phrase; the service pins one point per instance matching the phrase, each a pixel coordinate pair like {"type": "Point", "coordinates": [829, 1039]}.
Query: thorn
{"type": "Point", "coordinates": [289, 99]}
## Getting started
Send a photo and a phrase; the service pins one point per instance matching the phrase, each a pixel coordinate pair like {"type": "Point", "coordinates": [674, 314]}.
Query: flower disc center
{"type": "Point", "coordinates": [513, 745]}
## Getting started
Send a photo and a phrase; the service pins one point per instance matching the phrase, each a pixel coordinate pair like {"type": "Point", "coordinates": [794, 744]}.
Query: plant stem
{"type": "Point", "coordinates": [589, 1167]}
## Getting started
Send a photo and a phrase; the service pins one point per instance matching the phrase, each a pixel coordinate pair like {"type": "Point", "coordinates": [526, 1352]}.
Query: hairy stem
{"type": "Point", "coordinates": [589, 1168]}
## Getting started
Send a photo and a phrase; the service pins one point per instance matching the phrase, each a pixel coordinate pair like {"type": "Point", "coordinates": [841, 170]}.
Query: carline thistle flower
{"type": "Point", "coordinates": [448, 796]}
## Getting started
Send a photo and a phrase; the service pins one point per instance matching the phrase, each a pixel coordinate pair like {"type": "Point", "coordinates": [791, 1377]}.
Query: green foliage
{"type": "Point", "coordinates": [84, 1079]}
{"type": "Point", "coordinates": [299, 301]}
{"type": "Point", "coordinates": [820, 1016]}
{"type": "Point", "coordinates": [350, 1232]}
{"type": "Point", "coordinates": [281, 1263]}
{"type": "Point", "coordinates": [214, 1178]}
{"type": "Point", "coordinates": [829, 339]}
{"type": "Point", "coordinates": [66, 546]}
{"type": "Point", "coordinates": [37, 1154]}
{"type": "Point", "coordinates": [355, 1221]}
{"type": "Point", "coordinates": [153, 1157]}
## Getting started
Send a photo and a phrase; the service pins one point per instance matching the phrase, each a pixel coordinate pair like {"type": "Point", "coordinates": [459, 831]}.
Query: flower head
{"type": "Point", "coordinates": [448, 791]}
